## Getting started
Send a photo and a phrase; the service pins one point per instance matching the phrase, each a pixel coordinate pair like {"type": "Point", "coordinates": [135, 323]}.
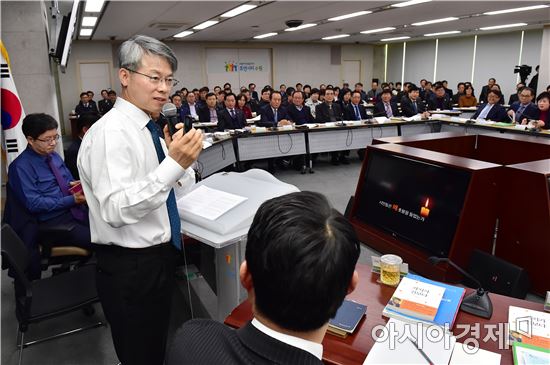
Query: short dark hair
{"type": "Point", "coordinates": [266, 89]}
{"type": "Point", "coordinates": [228, 95]}
{"type": "Point", "coordinates": [37, 123]}
{"type": "Point", "coordinates": [290, 90]}
{"type": "Point", "coordinates": [356, 92]}
{"type": "Point", "coordinates": [299, 83]}
{"type": "Point", "coordinates": [543, 95]}
{"type": "Point", "coordinates": [496, 92]}
{"type": "Point", "coordinates": [413, 87]}
{"type": "Point", "coordinates": [299, 92]}
{"type": "Point", "coordinates": [86, 120]}
{"type": "Point", "coordinates": [460, 83]}
{"type": "Point", "coordinates": [274, 93]}
{"type": "Point", "coordinates": [251, 84]}
{"type": "Point", "coordinates": [83, 93]}
{"type": "Point", "coordinates": [386, 91]}
{"type": "Point", "coordinates": [522, 89]}
{"type": "Point", "coordinates": [209, 95]}
{"type": "Point", "coordinates": [204, 88]}
{"type": "Point", "coordinates": [314, 91]}
{"type": "Point", "coordinates": [111, 92]}
{"type": "Point", "coordinates": [438, 86]}
{"type": "Point", "coordinates": [358, 84]}
{"type": "Point", "coordinates": [301, 254]}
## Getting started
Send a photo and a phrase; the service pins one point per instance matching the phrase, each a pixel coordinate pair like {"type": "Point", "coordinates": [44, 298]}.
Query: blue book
{"type": "Point", "coordinates": [448, 308]}
{"type": "Point", "coordinates": [348, 316]}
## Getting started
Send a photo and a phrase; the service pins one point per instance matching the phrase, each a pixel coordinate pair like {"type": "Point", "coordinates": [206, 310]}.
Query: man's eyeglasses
{"type": "Point", "coordinates": [168, 81]}
{"type": "Point", "coordinates": [49, 140]}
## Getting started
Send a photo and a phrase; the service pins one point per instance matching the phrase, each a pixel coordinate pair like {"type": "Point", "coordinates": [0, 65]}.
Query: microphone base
{"type": "Point", "coordinates": [478, 303]}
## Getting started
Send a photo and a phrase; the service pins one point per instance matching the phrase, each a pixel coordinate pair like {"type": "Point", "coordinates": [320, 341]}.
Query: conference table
{"type": "Point", "coordinates": [354, 349]}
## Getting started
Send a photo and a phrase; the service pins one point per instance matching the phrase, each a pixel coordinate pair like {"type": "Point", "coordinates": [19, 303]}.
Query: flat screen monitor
{"type": "Point", "coordinates": [416, 201]}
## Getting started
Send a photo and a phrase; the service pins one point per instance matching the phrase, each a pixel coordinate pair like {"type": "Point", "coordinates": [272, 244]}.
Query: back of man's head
{"type": "Point", "coordinates": [301, 255]}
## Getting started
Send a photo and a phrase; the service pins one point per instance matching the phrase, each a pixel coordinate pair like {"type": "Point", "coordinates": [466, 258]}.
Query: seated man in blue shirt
{"type": "Point", "coordinates": [492, 110]}
{"type": "Point", "coordinates": [41, 183]}
{"type": "Point", "coordinates": [299, 265]}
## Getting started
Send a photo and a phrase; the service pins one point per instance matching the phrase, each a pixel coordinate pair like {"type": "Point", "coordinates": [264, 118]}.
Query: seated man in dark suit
{"type": "Point", "coordinates": [385, 107]}
{"type": "Point", "coordinates": [190, 107]}
{"type": "Point", "coordinates": [440, 101]}
{"type": "Point", "coordinates": [84, 106]}
{"type": "Point", "coordinates": [460, 91]}
{"type": "Point", "coordinates": [355, 110]}
{"type": "Point", "coordinates": [40, 182]}
{"type": "Point", "coordinates": [411, 104]}
{"type": "Point", "coordinates": [231, 117]}
{"type": "Point", "coordinates": [273, 115]}
{"type": "Point", "coordinates": [299, 265]}
{"type": "Point", "coordinates": [104, 104]}
{"type": "Point", "coordinates": [209, 113]}
{"type": "Point", "coordinates": [492, 110]}
{"type": "Point", "coordinates": [329, 111]}
{"type": "Point", "coordinates": [485, 90]}
{"type": "Point", "coordinates": [83, 123]}
{"type": "Point", "coordinates": [515, 97]}
{"type": "Point", "coordinates": [524, 108]}
{"type": "Point", "coordinates": [299, 113]}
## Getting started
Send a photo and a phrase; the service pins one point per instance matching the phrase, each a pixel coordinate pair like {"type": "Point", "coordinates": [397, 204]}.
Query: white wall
{"type": "Point", "coordinates": [496, 56]}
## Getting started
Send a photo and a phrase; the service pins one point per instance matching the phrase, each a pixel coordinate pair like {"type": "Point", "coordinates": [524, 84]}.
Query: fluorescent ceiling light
{"type": "Point", "coordinates": [238, 10]}
{"type": "Point", "coordinates": [89, 21]}
{"type": "Point", "coordinates": [86, 32]}
{"type": "Point", "coordinates": [442, 20]}
{"type": "Point", "coordinates": [347, 16]}
{"type": "Point", "coordinates": [409, 3]}
{"type": "Point", "coordinates": [442, 33]}
{"type": "Point", "coordinates": [303, 26]}
{"type": "Point", "coordinates": [206, 24]}
{"type": "Point", "coordinates": [93, 6]}
{"type": "Point", "coordinates": [262, 36]}
{"type": "Point", "coordinates": [515, 10]}
{"type": "Point", "coordinates": [335, 37]}
{"type": "Point", "coordinates": [393, 39]}
{"type": "Point", "coordinates": [504, 26]}
{"type": "Point", "coordinates": [379, 30]}
{"type": "Point", "coordinates": [185, 33]}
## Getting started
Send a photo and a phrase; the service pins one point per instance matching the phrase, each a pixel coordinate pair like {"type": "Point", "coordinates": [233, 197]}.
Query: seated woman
{"type": "Point", "coordinates": [497, 88]}
{"type": "Point", "coordinates": [468, 99]}
{"type": "Point", "coordinates": [242, 105]}
{"type": "Point", "coordinates": [543, 119]}
{"type": "Point", "coordinates": [345, 98]}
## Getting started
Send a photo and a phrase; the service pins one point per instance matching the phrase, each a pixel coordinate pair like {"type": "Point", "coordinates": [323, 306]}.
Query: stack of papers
{"type": "Point", "coordinates": [463, 356]}
{"type": "Point", "coordinates": [209, 203]}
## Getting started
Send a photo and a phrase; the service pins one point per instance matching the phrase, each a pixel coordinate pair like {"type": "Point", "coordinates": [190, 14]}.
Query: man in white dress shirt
{"type": "Point", "coordinates": [131, 179]}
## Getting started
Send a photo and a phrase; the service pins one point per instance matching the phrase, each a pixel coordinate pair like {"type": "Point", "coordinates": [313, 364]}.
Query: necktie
{"type": "Point", "coordinates": [331, 114]}
{"type": "Point", "coordinates": [357, 114]}
{"type": "Point", "coordinates": [275, 116]}
{"type": "Point", "coordinates": [389, 113]}
{"type": "Point", "coordinates": [77, 212]}
{"type": "Point", "coordinates": [519, 112]}
{"type": "Point", "coordinates": [213, 116]}
{"type": "Point", "coordinates": [233, 113]}
{"type": "Point", "coordinates": [173, 216]}
{"type": "Point", "coordinates": [415, 107]}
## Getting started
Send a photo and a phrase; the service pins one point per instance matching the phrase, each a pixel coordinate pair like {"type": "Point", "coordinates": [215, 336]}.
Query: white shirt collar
{"type": "Point", "coordinates": [132, 112]}
{"type": "Point", "coordinates": [314, 348]}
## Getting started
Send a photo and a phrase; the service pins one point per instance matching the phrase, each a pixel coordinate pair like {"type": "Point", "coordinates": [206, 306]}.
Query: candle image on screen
{"type": "Point", "coordinates": [425, 211]}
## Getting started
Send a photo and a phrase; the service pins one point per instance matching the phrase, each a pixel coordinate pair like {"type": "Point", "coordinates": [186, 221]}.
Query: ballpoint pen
{"type": "Point", "coordinates": [421, 352]}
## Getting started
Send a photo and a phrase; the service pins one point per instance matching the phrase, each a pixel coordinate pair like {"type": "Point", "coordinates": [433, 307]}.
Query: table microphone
{"type": "Point", "coordinates": [170, 112]}
{"type": "Point", "coordinates": [477, 303]}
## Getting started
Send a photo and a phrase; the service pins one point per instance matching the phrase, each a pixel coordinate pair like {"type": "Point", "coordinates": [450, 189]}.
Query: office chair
{"type": "Point", "coordinates": [47, 298]}
{"type": "Point", "coordinates": [26, 226]}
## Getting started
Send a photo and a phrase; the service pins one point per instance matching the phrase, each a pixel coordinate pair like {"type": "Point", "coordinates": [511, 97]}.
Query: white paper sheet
{"type": "Point", "coordinates": [209, 203]}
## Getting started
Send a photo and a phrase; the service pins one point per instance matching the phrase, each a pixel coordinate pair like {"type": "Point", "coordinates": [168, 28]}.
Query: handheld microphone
{"type": "Point", "coordinates": [170, 112]}
{"type": "Point", "coordinates": [477, 303]}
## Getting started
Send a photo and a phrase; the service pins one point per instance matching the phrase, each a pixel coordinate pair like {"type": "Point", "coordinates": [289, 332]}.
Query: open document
{"type": "Point", "coordinates": [209, 203]}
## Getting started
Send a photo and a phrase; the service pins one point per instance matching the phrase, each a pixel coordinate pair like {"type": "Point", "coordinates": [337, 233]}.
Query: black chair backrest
{"type": "Point", "coordinates": [15, 255]}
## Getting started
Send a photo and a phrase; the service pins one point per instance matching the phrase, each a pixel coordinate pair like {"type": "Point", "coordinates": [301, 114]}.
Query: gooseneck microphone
{"type": "Point", "coordinates": [477, 303]}
{"type": "Point", "coordinates": [170, 112]}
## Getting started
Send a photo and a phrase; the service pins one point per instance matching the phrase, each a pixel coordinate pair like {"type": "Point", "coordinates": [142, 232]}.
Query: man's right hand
{"type": "Point", "coordinates": [79, 198]}
{"type": "Point", "coordinates": [185, 148]}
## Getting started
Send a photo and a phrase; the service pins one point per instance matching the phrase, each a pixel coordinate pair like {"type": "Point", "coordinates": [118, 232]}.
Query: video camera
{"type": "Point", "coordinates": [524, 72]}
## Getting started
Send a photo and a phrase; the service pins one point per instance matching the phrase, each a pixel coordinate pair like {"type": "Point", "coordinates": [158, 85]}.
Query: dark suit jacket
{"type": "Point", "coordinates": [70, 157]}
{"type": "Point", "coordinates": [322, 115]}
{"type": "Point", "coordinates": [205, 341]}
{"type": "Point", "coordinates": [349, 112]}
{"type": "Point", "coordinates": [497, 113]}
{"type": "Point", "coordinates": [483, 94]}
{"type": "Point", "coordinates": [225, 121]}
{"type": "Point", "coordinates": [300, 117]}
{"type": "Point", "coordinates": [530, 112]}
{"type": "Point", "coordinates": [105, 106]}
{"type": "Point", "coordinates": [446, 103]}
{"type": "Point", "coordinates": [81, 109]}
{"type": "Point", "coordinates": [204, 115]}
{"type": "Point", "coordinates": [380, 111]}
{"type": "Point", "coordinates": [513, 99]}
{"type": "Point", "coordinates": [267, 118]}
{"type": "Point", "coordinates": [186, 110]}
{"type": "Point", "coordinates": [407, 108]}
